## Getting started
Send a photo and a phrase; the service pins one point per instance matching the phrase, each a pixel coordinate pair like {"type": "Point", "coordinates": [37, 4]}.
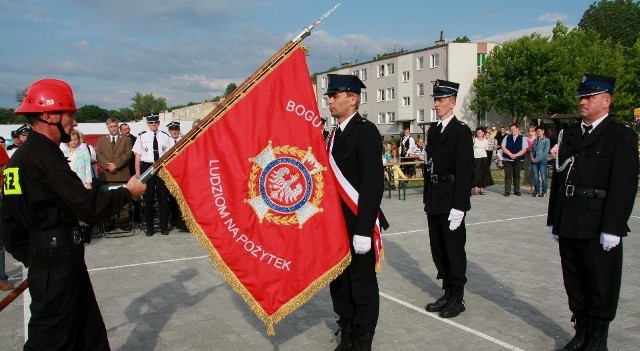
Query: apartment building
{"type": "Point", "coordinates": [399, 86]}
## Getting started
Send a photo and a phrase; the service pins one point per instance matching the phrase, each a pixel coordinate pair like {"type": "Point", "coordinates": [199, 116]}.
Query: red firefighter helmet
{"type": "Point", "coordinates": [48, 95]}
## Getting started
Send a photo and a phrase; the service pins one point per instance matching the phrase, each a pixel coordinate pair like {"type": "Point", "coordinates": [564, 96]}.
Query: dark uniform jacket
{"type": "Point", "coordinates": [42, 193]}
{"type": "Point", "coordinates": [451, 154]}
{"type": "Point", "coordinates": [357, 154]}
{"type": "Point", "coordinates": [606, 160]}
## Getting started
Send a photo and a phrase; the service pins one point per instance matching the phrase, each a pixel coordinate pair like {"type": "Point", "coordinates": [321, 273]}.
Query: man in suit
{"type": "Point", "coordinates": [355, 147]}
{"type": "Point", "coordinates": [592, 195]}
{"type": "Point", "coordinates": [114, 154]}
{"type": "Point", "coordinates": [447, 192]}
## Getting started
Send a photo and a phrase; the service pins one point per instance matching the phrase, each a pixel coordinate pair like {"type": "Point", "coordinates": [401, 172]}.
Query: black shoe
{"type": "Point", "coordinates": [517, 194]}
{"type": "Point", "coordinates": [506, 194]}
{"type": "Point", "coordinates": [346, 335]}
{"type": "Point", "coordinates": [362, 341]}
{"type": "Point", "coordinates": [597, 336]}
{"type": "Point", "coordinates": [542, 195]}
{"type": "Point", "coordinates": [455, 304]}
{"type": "Point", "coordinates": [165, 232]}
{"type": "Point", "coordinates": [149, 233]}
{"type": "Point", "coordinates": [439, 304]}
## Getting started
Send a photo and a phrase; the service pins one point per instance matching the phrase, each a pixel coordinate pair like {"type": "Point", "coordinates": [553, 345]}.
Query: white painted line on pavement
{"type": "Point", "coordinates": [452, 323]}
{"type": "Point", "coordinates": [146, 263]}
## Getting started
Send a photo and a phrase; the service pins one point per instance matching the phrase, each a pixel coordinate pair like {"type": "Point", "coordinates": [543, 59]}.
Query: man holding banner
{"type": "Point", "coordinates": [355, 159]}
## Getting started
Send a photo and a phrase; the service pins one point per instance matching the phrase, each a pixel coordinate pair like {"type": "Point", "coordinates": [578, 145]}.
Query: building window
{"type": "Point", "coordinates": [482, 118]}
{"type": "Point", "coordinates": [325, 102]}
{"type": "Point", "coordinates": [435, 60]}
{"type": "Point", "coordinates": [481, 60]}
{"type": "Point", "coordinates": [391, 94]}
{"type": "Point", "coordinates": [381, 95]}
{"type": "Point", "coordinates": [382, 118]}
{"type": "Point", "coordinates": [365, 116]}
{"type": "Point", "coordinates": [391, 117]}
{"type": "Point", "coordinates": [420, 116]}
{"type": "Point", "coordinates": [363, 74]}
{"type": "Point", "coordinates": [390, 69]}
{"type": "Point", "coordinates": [356, 73]}
{"type": "Point", "coordinates": [406, 101]}
{"type": "Point", "coordinates": [323, 82]}
{"type": "Point", "coordinates": [405, 76]}
{"type": "Point", "coordinates": [363, 97]}
{"type": "Point", "coordinates": [434, 117]}
{"type": "Point", "coordinates": [380, 71]}
{"type": "Point", "coordinates": [420, 63]}
{"type": "Point", "coordinates": [420, 89]}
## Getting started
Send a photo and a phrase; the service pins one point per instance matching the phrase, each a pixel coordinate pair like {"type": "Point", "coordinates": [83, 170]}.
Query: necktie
{"type": "Point", "coordinates": [113, 142]}
{"type": "Point", "coordinates": [586, 130]}
{"type": "Point", "coordinates": [338, 132]}
{"type": "Point", "coordinates": [156, 154]}
{"type": "Point", "coordinates": [439, 127]}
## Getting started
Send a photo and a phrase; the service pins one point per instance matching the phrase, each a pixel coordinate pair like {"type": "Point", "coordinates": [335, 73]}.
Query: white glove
{"type": "Point", "coordinates": [553, 236]}
{"type": "Point", "coordinates": [609, 241]}
{"type": "Point", "coordinates": [361, 244]}
{"type": "Point", "coordinates": [455, 219]}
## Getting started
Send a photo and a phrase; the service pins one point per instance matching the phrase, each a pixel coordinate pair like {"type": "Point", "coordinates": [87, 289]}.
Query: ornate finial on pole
{"type": "Point", "coordinates": [307, 31]}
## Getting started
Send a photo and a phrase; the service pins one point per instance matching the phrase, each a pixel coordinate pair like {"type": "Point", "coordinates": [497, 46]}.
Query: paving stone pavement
{"type": "Point", "coordinates": [162, 292]}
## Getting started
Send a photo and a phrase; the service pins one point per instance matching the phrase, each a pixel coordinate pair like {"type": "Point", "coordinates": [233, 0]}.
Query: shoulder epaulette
{"type": "Point", "coordinates": [142, 133]}
{"type": "Point", "coordinates": [167, 134]}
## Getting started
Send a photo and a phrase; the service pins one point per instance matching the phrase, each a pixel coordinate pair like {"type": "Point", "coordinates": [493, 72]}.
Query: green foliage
{"type": "Point", "coordinates": [145, 104]}
{"type": "Point", "coordinates": [463, 39]}
{"type": "Point", "coordinates": [8, 117]}
{"type": "Point", "coordinates": [516, 79]}
{"type": "Point", "coordinates": [618, 20]}
{"type": "Point", "coordinates": [123, 115]}
{"type": "Point", "coordinates": [91, 114]}
{"type": "Point", "coordinates": [20, 95]}
{"type": "Point", "coordinates": [230, 88]}
{"type": "Point", "coordinates": [536, 75]}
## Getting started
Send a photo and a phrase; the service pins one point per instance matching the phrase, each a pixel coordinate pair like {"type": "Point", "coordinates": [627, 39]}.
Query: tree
{"type": "Point", "coordinates": [614, 19]}
{"type": "Point", "coordinates": [8, 117]}
{"type": "Point", "coordinates": [145, 104]}
{"type": "Point", "coordinates": [20, 95]}
{"type": "Point", "coordinates": [518, 79]}
{"type": "Point", "coordinates": [463, 39]}
{"type": "Point", "coordinates": [91, 113]}
{"type": "Point", "coordinates": [123, 115]}
{"type": "Point", "coordinates": [230, 88]}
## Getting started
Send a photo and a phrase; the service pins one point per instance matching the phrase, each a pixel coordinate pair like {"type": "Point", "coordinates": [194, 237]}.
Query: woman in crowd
{"type": "Point", "coordinates": [528, 171]}
{"type": "Point", "coordinates": [480, 147]}
{"type": "Point", "coordinates": [79, 159]}
{"type": "Point", "coordinates": [490, 152]}
{"type": "Point", "coordinates": [395, 169]}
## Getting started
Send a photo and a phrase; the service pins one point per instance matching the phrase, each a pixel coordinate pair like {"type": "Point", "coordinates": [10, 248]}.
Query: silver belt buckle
{"type": "Point", "coordinates": [569, 190]}
{"type": "Point", "coordinates": [434, 178]}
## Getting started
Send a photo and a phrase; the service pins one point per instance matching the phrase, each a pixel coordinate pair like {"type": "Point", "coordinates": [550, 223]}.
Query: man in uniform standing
{"type": "Point", "coordinates": [447, 196]}
{"type": "Point", "coordinates": [148, 148]}
{"type": "Point", "coordinates": [355, 148]}
{"type": "Point", "coordinates": [44, 202]}
{"type": "Point", "coordinates": [592, 195]}
{"type": "Point", "coordinates": [174, 209]}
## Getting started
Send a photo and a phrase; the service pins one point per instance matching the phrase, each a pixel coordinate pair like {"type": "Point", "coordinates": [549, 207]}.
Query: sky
{"type": "Point", "coordinates": [190, 50]}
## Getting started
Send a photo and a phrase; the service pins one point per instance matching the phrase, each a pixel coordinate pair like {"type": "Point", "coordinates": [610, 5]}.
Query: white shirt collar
{"type": "Point", "coordinates": [594, 124]}
{"type": "Point", "coordinates": [344, 123]}
{"type": "Point", "coordinates": [445, 121]}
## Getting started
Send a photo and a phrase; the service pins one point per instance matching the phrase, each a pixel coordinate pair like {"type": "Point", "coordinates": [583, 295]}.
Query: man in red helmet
{"type": "Point", "coordinates": [45, 203]}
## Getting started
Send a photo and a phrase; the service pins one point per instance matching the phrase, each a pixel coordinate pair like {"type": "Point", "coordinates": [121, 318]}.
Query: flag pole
{"type": "Point", "coordinates": [235, 95]}
{"type": "Point", "coordinates": [13, 294]}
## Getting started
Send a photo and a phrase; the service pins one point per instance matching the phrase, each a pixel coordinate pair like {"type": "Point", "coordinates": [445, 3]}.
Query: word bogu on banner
{"type": "Point", "coordinates": [255, 189]}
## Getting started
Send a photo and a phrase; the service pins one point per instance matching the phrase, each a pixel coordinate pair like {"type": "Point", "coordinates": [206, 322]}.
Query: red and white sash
{"type": "Point", "coordinates": [350, 196]}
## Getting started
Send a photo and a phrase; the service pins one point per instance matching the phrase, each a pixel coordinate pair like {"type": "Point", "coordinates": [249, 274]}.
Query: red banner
{"type": "Point", "coordinates": [256, 190]}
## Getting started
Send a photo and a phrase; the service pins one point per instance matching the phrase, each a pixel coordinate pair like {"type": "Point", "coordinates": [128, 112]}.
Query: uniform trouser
{"type": "Point", "coordinates": [447, 249]}
{"type": "Point", "coordinates": [592, 277]}
{"type": "Point", "coordinates": [512, 175]}
{"type": "Point", "coordinates": [355, 293]}
{"type": "Point", "coordinates": [155, 188]}
{"type": "Point", "coordinates": [174, 210]}
{"type": "Point", "coordinates": [64, 311]}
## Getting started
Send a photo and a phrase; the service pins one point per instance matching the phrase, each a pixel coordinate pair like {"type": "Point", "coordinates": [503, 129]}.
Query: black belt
{"type": "Point", "coordinates": [435, 178]}
{"type": "Point", "coordinates": [572, 191]}
{"type": "Point", "coordinates": [59, 238]}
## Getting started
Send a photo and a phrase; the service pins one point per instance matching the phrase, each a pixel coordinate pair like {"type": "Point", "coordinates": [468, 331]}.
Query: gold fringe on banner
{"type": "Point", "coordinates": [230, 277]}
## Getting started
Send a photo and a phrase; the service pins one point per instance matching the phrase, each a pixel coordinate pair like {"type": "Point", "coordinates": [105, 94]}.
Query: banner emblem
{"type": "Point", "coordinates": [285, 185]}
